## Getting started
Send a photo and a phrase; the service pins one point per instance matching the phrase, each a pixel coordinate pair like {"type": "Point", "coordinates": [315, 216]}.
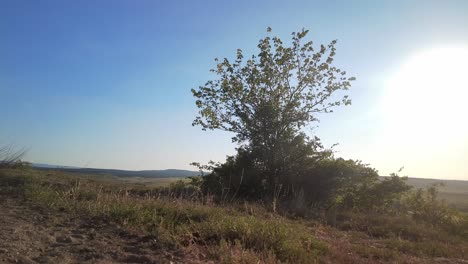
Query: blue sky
{"type": "Point", "coordinates": [107, 83]}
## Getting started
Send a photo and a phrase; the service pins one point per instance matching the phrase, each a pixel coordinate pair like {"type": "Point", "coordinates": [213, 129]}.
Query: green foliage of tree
{"type": "Point", "coordinates": [375, 194]}
{"type": "Point", "coordinates": [331, 177]}
{"type": "Point", "coordinates": [267, 101]}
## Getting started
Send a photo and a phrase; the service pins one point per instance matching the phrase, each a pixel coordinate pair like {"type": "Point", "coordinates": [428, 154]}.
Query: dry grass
{"type": "Point", "coordinates": [235, 233]}
{"type": "Point", "coordinates": [175, 222]}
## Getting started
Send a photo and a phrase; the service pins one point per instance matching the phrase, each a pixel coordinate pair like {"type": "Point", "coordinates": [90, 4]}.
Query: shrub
{"type": "Point", "coordinates": [11, 158]}
{"type": "Point", "coordinates": [322, 182]}
{"type": "Point", "coordinates": [425, 206]}
{"type": "Point", "coordinates": [287, 241]}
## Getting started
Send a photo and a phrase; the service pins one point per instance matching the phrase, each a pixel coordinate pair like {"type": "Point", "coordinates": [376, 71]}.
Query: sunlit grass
{"type": "Point", "coordinates": [234, 233]}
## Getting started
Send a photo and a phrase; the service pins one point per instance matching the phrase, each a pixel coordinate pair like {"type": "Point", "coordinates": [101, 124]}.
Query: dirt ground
{"type": "Point", "coordinates": [33, 234]}
{"type": "Point", "coordinates": [30, 234]}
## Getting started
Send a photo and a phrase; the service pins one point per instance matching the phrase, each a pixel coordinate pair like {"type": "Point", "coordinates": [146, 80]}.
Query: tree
{"type": "Point", "coordinates": [268, 99]}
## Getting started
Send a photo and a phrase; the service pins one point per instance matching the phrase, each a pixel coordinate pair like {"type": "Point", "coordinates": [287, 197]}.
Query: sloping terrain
{"type": "Point", "coordinates": [61, 218]}
{"type": "Point", "coordinates": [32, 234]}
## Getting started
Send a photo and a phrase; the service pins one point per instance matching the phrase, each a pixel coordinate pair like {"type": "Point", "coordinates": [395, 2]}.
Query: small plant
{"type": "Point", "coordinates": [11, 157]}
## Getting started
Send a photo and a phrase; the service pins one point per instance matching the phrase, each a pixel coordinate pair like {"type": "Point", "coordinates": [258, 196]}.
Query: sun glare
{"type": "Point", "coordinates": [426, 100]}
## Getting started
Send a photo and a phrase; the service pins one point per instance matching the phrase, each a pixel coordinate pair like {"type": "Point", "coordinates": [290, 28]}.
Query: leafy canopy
{"type": "Point", "coordinates": [271, 96]}
{"type": "Point", "coordinates": [267, 101]}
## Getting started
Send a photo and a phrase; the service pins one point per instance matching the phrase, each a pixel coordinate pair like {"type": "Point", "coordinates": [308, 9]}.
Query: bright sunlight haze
{"type": "Point", "coordinates": [425, 109]}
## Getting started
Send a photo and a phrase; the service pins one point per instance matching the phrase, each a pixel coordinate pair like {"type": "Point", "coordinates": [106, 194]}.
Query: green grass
{"type": "Point", "coordinates": [150, 182]}
{"type": "Point", "coordinates": [234, 233]}
{"type": "Point", "coordinates": [395, 233]}
{"type": "Point", "coordinates": [176, 223]}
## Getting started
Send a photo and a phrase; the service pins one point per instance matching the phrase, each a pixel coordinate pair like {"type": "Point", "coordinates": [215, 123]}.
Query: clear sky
{"type": "Point", "coordinates": [107, 83]}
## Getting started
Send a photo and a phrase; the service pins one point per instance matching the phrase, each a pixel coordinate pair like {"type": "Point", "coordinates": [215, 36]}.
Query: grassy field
{"type": "Point", "coordinates": [138, 181]}
{"type": "Point", "coordinates": [200, 231]}
{"type": "Point", "coordinates": [109, 179]}
{"type": "Point", "coordinates": [454, 192]}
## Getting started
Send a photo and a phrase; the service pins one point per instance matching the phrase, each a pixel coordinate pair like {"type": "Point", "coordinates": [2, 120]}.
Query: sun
{"type": "Point", "coordinates": [426, 99]}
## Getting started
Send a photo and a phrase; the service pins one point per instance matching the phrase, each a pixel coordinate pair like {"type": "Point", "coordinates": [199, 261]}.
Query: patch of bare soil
{"type": "Point", "coordinates": [31, 234]}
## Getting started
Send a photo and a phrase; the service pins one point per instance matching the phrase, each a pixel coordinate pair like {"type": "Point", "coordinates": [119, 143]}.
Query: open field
{"type": "Point", "coordinates": [142, 182]}
{"type": "Point", "coordinates": [56, 217]}
{"type": "Point", "coordinates": [130, 181]}
{"type": "Point", "coordinates": [454, 192]}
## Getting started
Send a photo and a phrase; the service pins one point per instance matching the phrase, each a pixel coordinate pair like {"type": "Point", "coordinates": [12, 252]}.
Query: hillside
{"type": "Point", "coordinates": [169, 173]}
{"type": "Point", "coordinates": [454, 192]}
{"type": "Point", "coordinates": [60, 217]}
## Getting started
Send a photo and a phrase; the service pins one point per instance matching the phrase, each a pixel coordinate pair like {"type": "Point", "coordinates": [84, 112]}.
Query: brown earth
{"type": "Point", "coordinates": [31, 234]}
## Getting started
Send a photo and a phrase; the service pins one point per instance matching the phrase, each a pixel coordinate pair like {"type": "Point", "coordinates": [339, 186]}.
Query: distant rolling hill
{"type": "Point", "coordinates": [458, 186]}
{"type": "Point", "coordinates": [49, 166]}
{"type": "Point", "coordinates": [454, 192]}
{"type": "Point", "coordinates": [169, 173]}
